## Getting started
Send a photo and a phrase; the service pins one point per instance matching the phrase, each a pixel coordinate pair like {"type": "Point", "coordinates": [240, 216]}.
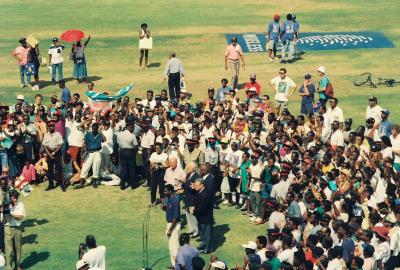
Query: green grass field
{"type": "Point", "coordinates": [56, 222]}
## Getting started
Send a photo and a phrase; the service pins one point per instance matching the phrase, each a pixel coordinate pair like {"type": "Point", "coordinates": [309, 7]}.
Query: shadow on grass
{"type": "Point", "coordinates": [34, 222]}
{"type": "Point", "coordinates": [219, 235]}
{"type": "Point", "coordinates": [154, 65]}
{"type": "Point", "coordinates": [30, 239]}
{"type": "Point", "coordinates": [44, 84]}
{"type": "Point", "coordinates": [35, 258]}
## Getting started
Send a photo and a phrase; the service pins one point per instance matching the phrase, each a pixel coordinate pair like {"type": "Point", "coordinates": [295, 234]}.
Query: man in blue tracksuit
{"type": "Point", "coordinates": [288, 37]}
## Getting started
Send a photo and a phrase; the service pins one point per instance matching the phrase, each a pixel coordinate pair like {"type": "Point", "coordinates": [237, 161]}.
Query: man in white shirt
{"type": "Point", "coordinates": [146, 143]}
{"type": "Point", "coordinates": [334, 113]}
{"type": "Point", "coordinates": [337, 138]}
{"type": "Point", "coordinates": [127, 151]}
{"type": "Point", "coordinates": [373, 110]}
{"type": "Point", "coordinates": [174, 174]}
{"type": "Point", "coordinates": [13, 231]}
{"type": "Point", "coordinates": [282, 86]}
{"type": "Point", "coordinates": [56, 60]}
{"type": "Point", "coordinates": [96, 255]}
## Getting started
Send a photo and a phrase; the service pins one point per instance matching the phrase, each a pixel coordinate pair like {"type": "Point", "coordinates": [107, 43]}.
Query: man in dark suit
{"type": "Point", "coordinates": [209, 183]}
{"type": "Point", "coordinates": [189, 198]}
{"type": "Point", "coordinates": [203, 210]}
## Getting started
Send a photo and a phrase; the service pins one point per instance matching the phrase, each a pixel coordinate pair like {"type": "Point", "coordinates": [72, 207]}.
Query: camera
{"type": "Point", "coordinates": [82, 250]}
{"type": "Point", "coordinates": [58, 50]}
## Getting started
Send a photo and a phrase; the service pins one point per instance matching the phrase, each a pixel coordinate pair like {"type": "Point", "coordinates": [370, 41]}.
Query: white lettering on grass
{"type": "Point", "coordinates": [253, 43]}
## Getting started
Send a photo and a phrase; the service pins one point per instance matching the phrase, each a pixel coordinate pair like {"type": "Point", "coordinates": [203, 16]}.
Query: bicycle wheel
{"type": "Point", "coordinates": [362, 79]}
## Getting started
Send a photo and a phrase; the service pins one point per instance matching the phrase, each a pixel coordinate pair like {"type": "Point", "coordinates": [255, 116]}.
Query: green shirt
{"type": "Point", "coordinates": [268, 173]}
{"type": "Point", "coordinates": [323, 84]}
{"type": "Point", "coordinates": [275, 263]}
{"type": "Point", "coordinates": [244, 175]}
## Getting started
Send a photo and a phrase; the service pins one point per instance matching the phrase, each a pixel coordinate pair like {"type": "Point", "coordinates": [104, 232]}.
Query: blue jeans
{"type": "Point", "coordinates": [59, 69]}
{"type": "Point", "coordinates": [22, 72]}
{"type": "Point", "coordinates": [3, 159]}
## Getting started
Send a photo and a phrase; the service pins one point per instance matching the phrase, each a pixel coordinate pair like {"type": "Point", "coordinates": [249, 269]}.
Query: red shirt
{"type": "Point", "coordinates": [256, 85]}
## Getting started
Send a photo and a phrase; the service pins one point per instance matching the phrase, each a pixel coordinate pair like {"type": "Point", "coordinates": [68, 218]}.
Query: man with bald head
{"type": "Point", "coordinates": [189, 198]}
{"type": "Point", "coordinates": [174, 175]}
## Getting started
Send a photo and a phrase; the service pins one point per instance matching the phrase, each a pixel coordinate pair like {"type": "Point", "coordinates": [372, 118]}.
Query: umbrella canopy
{"type": "Point", "coordinates": [72, 35]}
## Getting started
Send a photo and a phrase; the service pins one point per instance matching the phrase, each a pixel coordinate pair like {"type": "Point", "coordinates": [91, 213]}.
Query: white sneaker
{"type": "Point", "coordinates": [225, 202]}
{"type": "Point", "coordinates": [258, 219]}
{"type": "Point", "coordinates": [35, 87]}
{"type": "Point", "coordinates": [254, 218]}
{"type": "Point", "coordinates": [271, 59]}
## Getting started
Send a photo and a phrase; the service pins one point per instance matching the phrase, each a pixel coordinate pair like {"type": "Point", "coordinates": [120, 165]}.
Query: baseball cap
{"type": "Point", "coordinates": [20, 97]}
{"type": "Point", "coordinates": [183, 90]}
{"type": "Point", "coordinates": [250, 245]}
{"type": "Point", "coordinates": [218, 264]}
{"type": "Point", "coordinates": [321, 69]}
{"type": "Point", "coordinates": [276, 17]}
{"type": "Point", "coordinates": [385, 111]}
{"type": "Point", "coordinates": [373, 98]}
{"type": "Point", "coordinates": [55, 39]}
{"type": "Point", "coordinates": [80, 264]}
{"type": "Point", "coordinates": [348, 121]}
{"type": "Point", "coordinates": [252, 76]}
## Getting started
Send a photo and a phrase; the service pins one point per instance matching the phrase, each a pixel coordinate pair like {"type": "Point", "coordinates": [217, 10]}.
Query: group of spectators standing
{"type": "Point", "coordinates": [30, 60]}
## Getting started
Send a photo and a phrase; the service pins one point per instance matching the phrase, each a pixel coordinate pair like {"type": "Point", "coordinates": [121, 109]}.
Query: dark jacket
{"type": "Point", "coordinates": [209, 183]}
{"type": "Point", "coordinates": [190, 194]}
{"type": "Point", "coordinates": [203, 207]}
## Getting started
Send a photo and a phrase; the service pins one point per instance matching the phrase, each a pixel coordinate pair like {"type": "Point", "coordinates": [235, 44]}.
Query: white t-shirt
{"type": "Point", "coordinates": [286, 255]}
{"type": "Point", "coordinates": [96, 257]}
{"type": "Point", "coordinates": [75, 134]}
{"type": "Point", "coordinates": [276, 220]}
{"type": "Point", "coordinates": [280, 190]}
{"type": "Point", "coordinates": [156, 158]}
{"type": "Point", "coordinates": [335, 114]}
{"type": "Point", "coordinates": [282, 88]}
{"type": "Point", "coordinates": [255, 171]}
{"type": "Point", "coordinates": [337, 138]}
{"type": "Point", "coordinates": [108, 145]}
{"type": "Point", "coordinates": [395, 145]}
{"type": "Point", "coordinates": [56, 54]}
{"type": "Point", "coordinates": [374, 112]}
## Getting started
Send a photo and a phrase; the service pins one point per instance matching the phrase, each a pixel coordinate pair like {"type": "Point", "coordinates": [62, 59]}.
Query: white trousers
{"type": "Point", "coordinates": [92, 160]}
{"type": "Point", "coordinates": [173, 241]}
{"type": "Point", "coordinates": [192, 222]}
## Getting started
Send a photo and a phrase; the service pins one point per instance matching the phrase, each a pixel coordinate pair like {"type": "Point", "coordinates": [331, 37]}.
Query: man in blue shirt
{"type": "Point", "coordinates": [273, 32]}
{"type": "Point", "coordinates": [385, 127]}
{"type": "Point", "coordinates": [65, 92]}
{"type": "Point", "coordinates": [224, 90]}
{"type": "Point", "coordinates": [92, 156]}
{"type": "Point", "coordinates": [297, 26]}
{"type": "Point", "coordinates": [185, 253]}
{"type": "Point", "coordinates": [288, 37]}
{"type": "Point", "coordinates": [172, 215]}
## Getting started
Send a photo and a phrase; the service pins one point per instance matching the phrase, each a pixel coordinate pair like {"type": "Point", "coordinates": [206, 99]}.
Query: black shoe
{"type": "Point", "coordinates": [49, 188]}
{"type": "Point", "coordinates": [64, 188]}
{"type": "Point", "coordinates": [94, 182]}
{"type": "Point", "coordinates": [122, 187]}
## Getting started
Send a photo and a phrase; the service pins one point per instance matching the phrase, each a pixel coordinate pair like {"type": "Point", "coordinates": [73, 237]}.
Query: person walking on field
{"type": "Point", "coordinates": [174, 71]}
{"type": "Point", "coordinates": [143, 34]}
{"type": "Point", "coordinates": [233, 55]}
{"type": "Point", "coordinates": [288, 37]}
{"type": "Point", "coordinates": [273, 32]}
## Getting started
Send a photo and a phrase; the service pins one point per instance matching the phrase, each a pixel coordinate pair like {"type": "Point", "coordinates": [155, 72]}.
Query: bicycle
{"type": "Point", "coordinates": [367, 79]}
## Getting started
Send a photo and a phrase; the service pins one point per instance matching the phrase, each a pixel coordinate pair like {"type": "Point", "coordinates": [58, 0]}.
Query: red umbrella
{"type": "Point", "coordinates": [72, 35]}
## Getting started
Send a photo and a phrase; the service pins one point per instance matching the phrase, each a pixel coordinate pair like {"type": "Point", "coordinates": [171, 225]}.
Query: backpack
{"type": "Point", "coordinates": [78, 53]}
{"type": "Point", "coordinates": [329, 91]}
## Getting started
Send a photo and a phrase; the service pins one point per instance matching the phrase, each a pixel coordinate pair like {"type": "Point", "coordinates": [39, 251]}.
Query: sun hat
{"type": "Point", "coordinates": [250, 245]}
{"type": "Point", "coordinates": [321, 69]}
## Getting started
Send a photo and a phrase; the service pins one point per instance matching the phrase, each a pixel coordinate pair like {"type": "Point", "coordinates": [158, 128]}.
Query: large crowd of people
{"type": "Point", "coordinates": [327, 192]}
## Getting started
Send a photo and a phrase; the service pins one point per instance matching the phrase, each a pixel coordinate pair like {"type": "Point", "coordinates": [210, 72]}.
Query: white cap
{"type": "Point", "coordinates": [250, 245]}
{"type": "Point", "coordinates": [80, 264]}
{"type": "Point", "coordinates": [321, 69]}
{"type": "Point", "coordinates": [183, 90]}
{"type": "Point", "coordinates": [20, 97]}
{"type": "Point", "coordinates": [218, 264]}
